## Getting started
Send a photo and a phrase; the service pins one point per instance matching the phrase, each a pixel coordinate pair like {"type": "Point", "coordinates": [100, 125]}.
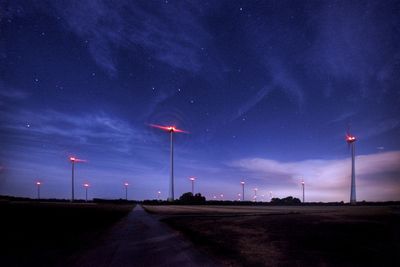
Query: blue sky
{"type": "Point", "coordinates": [267, 90]}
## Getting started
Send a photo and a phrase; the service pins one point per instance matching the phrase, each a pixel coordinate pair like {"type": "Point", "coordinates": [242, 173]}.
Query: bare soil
{"type": "Point", "coordinates": [291, 236]}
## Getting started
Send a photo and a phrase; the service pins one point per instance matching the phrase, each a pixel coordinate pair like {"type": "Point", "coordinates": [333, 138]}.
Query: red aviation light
{"type": "Point", "coordinates": [168, 128]}
{"type": "Point", "coordinates": [350, 138]}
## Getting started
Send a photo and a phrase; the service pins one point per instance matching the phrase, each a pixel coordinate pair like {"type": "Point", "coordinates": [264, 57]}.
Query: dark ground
{"type": "Point", "coordinates": [140, 239]}
{"type": "Point", "coordinates": [351, 236]}
{"type": "Point", "coordinates": [46, 234]}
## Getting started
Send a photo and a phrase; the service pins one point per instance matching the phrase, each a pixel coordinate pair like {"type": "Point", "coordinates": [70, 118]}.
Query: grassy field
{"type": "Point", "coordinates": [291, 236]}
{"type": "Point", "coordinates": [45, 234]}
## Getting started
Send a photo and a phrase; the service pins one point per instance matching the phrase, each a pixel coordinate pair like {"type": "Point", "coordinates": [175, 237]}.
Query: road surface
{"type": "Point", "coordinates": [142, 240]}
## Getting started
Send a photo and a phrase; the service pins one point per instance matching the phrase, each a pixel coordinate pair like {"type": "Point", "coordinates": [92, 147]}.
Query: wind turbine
{"type": "Point", "coordinates": [73, 161]}
{"type": "Point", "coordinates": [86, 186]}
{"type": "Point", "coordinates": [242, 183]}
{"type": "Point", "coordinates": [351, 139]}
{"type": "Point", "coordinates": [171, 130]}
{"type": "Point", "coordinates": [38, 184]}
{"type": "Point", "coordinates": [126, 184]}
{"type": "Point", "coordinates": [303, 185]}
{"type": "Point", "coordinates": [192, 179]}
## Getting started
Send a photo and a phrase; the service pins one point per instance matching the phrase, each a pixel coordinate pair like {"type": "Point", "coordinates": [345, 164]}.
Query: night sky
{"type": "Point", "coordinates": [266, 90]}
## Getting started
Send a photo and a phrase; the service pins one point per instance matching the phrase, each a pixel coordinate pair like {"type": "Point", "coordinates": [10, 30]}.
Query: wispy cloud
{"type": "Point", "coordinates": [252, 101]}
{"type": "Point", "coordinates": [151, 27]}
{"type": "Point", "coordinates": [382, 127]}
{"type": "Point", "coordinates": [12, 93]}
{"type": "Point", "coordinates": [281, 80]}
{"type": "Point", "coordinates": [88, 129]}
{"type": "Point", "coordinates": [328, 180]}
{"type": "Point", "coordinates": [343, 117]}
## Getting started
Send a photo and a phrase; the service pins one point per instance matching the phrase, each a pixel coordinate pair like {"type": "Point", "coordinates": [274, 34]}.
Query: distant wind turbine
{"type": "Point", "coordinates": [73, 161]}
{"type": "Point", "coordinates": [171, 130]}
{"type": "Point", "coordinates": [351, 139]}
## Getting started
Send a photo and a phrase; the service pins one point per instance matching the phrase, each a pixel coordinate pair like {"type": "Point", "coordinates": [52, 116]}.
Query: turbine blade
{"type": "Point", "coordinates": [180, 131]}
{"type": "Point", "coordinates": [165, 128]}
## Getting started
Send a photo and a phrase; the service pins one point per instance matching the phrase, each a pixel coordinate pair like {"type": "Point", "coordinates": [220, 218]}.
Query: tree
{"type": "Point", "coordinates": [188, 198]}
{"type": "Point", "coordinates": [286, 201]}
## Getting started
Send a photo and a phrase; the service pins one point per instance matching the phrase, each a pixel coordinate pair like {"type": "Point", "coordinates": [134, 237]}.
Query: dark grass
{"type": "Point", "coordinates": [297, 239]}
{"type": "Point", "coordinates": [46, 234]}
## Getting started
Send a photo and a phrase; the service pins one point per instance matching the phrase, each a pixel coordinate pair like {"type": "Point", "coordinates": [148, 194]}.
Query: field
{"type": "Point", "coordinates": [290, 236]}
{"type": "Point", "coordinates": [46, 234]}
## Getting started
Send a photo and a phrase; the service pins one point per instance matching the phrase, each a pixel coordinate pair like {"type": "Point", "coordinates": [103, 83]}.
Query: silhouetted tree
{"type": "Point", "coordinates": [189, 198]}
{"type": "Point", "coordinates": [286, 201]}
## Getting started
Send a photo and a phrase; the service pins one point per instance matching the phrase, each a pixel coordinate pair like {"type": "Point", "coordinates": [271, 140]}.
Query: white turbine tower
{"type": "Point", "coordinates": [351, 139]}
{"type": "Point", "coordinates": [171, 130]}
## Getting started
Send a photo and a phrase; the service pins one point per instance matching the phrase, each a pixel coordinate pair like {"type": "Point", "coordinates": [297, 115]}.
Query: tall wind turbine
{"type": "Point", "coordinates": [192, 179]}
{"type": "Point", "coordinates": [351, 139]}
{"type": "Point", "coordinates": [171, 130]}
{"type": "Point", "coordinates": [73, 161]}
{"type": "Point", "coordinates": [242, 183]}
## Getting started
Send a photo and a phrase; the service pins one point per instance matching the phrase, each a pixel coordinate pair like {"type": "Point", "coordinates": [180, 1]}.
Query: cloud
{"type": "Point", "coordinates": [329, 179]}
{"type": "Point", "coordinates": [11, 93]}
{"type": "Point", "coordinates": [87, 129]}
{"type": "Point", "coordinates": [252, 101]}
{"type": "Point", "coordinates": [382, 127]}
{"type": "Point", "coordinates": [137, 26]}
{"type": "Point", "coordinates": [354, 47]}
{"type": "Point", "coordinates": [343, 117]}
{"type": "Point", "coordinates": [282, 81]}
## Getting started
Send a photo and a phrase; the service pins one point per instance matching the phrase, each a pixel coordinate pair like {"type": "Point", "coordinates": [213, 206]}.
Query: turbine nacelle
{"type": "Point", "coordinates": [350, 138]}
{"type": "Point", "coordinates": [75, 159]}
{"type": "Point", "coordinates": [171, 129]}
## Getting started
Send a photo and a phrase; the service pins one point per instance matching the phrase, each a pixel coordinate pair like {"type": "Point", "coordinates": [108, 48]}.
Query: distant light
{"type": "Point", "coordinates": [72, 158]}
{"type": "Point", "coordinates": [38, 183]}
{"type": "Point", "coordinates": [242, 182]}
{"type": "Point", "coordinates": [86, 185]}
{"type": "Point", "coordinates": [192, 178]}
{"type": "Point", "coordinates": [126, 184]}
